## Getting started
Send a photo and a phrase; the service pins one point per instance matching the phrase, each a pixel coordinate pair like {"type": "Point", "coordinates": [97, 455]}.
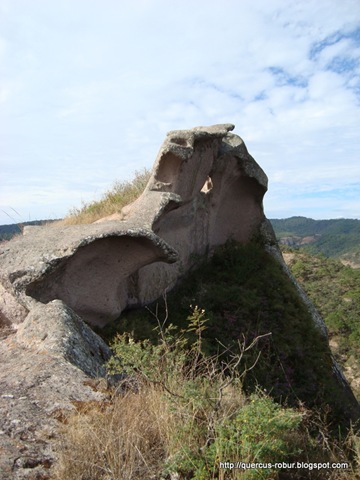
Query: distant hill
{"type": "Point", "coordinates": [8, 231]}
{"type": "Point", "coordinates": [338, 238]}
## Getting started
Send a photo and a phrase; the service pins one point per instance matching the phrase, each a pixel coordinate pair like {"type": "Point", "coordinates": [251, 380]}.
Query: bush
{"type": "Point", "coordinates": [261, 431]}
{"type": "Point", "coordinates": [247, 294]}
{"type": "Point", "coordinates": [214, 419]}
{"type": "Point", "coordinates": [179, 413]}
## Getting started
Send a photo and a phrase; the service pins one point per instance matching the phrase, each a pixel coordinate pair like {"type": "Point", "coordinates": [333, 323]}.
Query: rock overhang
{"type": "Point", "coordinates": [132, 260]}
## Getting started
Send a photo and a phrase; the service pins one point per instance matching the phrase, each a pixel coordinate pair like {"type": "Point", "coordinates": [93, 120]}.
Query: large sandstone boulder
{"type": "Point", "coordinates": [205, 188]}
{"type": "Point", "coordinates": [56, 280]}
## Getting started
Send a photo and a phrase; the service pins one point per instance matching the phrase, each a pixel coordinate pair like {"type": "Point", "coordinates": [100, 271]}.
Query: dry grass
{"type": "Point", "coordinates": [120, 195]}
{"type": "Point", "coordinates": [134, 436]}
{"type": "Point", "coordinates": [183, 413]}
{"type": "Point", "coordinates": [125, 441]}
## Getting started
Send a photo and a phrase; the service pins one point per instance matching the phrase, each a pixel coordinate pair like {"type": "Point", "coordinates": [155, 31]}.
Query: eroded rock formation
{"type": "Point", "coordinates": [205, 188]}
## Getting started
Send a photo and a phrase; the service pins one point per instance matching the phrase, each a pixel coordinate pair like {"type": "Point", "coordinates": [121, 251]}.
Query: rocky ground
{"type": "Point", "coordinates": [39, 385]}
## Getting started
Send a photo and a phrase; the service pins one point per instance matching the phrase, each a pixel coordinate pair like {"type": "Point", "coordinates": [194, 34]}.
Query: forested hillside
{"type": "Point", "coordinates": [338, 238]}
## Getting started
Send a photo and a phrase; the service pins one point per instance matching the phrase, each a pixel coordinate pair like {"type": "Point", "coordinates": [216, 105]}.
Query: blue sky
{"type": "Point", "coordinates": [89, 89]}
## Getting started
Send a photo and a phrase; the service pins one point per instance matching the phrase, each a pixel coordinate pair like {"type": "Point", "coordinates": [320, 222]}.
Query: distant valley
{"type": "Point", "coordinates": [337, 238]}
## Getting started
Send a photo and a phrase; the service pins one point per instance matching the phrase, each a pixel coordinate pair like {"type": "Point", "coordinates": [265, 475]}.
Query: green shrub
{"type": "Point", "coordinates": [261, 431]}
{"type": "Point", "coordinates": [214, 420]}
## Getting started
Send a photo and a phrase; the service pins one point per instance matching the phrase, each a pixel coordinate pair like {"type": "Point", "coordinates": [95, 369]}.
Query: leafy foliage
{"type": "Point", "coordinates": [214, 419]}
{"type": "Point", "coordinates": [260, 432]}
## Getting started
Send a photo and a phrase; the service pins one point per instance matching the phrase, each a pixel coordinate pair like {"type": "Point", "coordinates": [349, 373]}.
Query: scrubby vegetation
{"type": "Point", "coordinates": [246, 295]}
{"type": "Point", "coordinates": [223, 370]}
{"type": "Point", "coordinates": [335, 290]}
{"type": "Point", "coordinates": [120, 195]}
{"type": "Point", "coordinates": [182, 414]}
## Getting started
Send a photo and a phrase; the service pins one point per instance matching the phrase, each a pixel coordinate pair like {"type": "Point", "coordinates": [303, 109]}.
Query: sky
{"type": "Point", "coordinates": [89, 89]}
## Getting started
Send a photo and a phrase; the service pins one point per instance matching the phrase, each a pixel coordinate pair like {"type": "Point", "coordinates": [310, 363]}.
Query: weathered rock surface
{"type": "Point", "coordinates": [56, 330]}
{"type": "Point", "coordinates": [205, 188]}
{"type": "Point", "coordinates": [45, 369]}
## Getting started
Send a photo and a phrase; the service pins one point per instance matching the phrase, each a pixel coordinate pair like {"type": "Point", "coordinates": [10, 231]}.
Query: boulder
{"type": "Point", "coordinates": [55, 281]}
{"type": "Point", "coordinates": [46, 371]}
{"type": "Point", "coordinates": [56, 330]}
{"type": "Point", "coordinates": [204, 189]}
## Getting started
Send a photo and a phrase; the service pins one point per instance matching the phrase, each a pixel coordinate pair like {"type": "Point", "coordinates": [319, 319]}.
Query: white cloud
{"type": "Point", "coordinates": [90, 89]}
